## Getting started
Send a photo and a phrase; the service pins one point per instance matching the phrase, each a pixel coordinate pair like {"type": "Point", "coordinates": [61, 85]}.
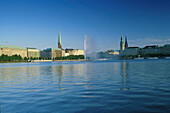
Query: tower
{"type": "Point", "coordinates": [59, 41]}
{"type": "Point", "coordinates": [121, 44]}
{"type": "Point", "coordinates": [126, 43]}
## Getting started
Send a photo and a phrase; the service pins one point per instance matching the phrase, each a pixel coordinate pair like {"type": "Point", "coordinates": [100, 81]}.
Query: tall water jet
{"type": "Point", "coordinates": [89, 48]}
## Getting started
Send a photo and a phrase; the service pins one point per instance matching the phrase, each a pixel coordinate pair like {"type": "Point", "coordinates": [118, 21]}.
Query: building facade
{"type": "Point", "coordinates": [131, 51]}
{"type": "Point", "coordinates": [151, 50]}
{"type": "Point", "coordinates": [51, 53]}
{"type": "Point", "coordinates": [13, 50]}
{"type": "Point", "coordinates": [74, 51]}
{"type": "Point", "coordinates": [33, 52]}
{"type": "Point", "coordinates": [110, 54]}
{"type": "Point", "coordinates": [166, 49]}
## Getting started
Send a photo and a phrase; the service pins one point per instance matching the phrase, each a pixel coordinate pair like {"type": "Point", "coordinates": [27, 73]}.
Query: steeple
{"type": "Point", "coordinates": [59, 41]}
{"type": "Point", "coordinates": [121, 38]}
{"type": "Point", "coordinates": [121, 43]}
{"type": "Point", "coordinates": [126, 43]}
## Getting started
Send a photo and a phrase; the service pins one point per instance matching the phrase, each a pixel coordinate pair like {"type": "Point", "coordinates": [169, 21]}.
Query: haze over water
{"type": "Point", "coordinates": [99, 86]}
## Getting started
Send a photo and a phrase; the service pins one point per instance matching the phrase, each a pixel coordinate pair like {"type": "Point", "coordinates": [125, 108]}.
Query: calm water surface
{"type": "Point", "coordinates": [86, 87]}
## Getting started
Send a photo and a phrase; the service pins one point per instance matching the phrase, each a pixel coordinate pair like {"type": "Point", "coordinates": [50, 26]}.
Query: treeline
{"type": "Point", "coordinates": [144, 56]}
{"type": "Point", "coordinates": [160, 55]}
{"type": "Point", "coordinates": [15, 57]}
{"type": "Point", "coordinates": [70, 57]}
{"type": "Point", "coordinates": [10, 58]}
{"type": "Point", "coordinates": [5, 58]}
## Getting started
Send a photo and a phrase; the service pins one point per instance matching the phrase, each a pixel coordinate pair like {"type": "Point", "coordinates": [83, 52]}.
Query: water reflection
{"type": "Point", "coordinates": [86, 87]}
{"type": "Point", "coordinates": [124, 73]}
{"type": "Point", "coordinates": [18, 75]}
{"type": "Point", "coordinates": [60, 73]}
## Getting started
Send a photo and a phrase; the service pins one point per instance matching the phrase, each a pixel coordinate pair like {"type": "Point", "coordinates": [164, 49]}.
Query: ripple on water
{"type": "Point", "coordinates": [120, 86]}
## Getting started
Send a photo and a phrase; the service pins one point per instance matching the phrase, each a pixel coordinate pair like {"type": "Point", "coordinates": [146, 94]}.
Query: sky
{"type": "Point", "coordinates": [36, 23]}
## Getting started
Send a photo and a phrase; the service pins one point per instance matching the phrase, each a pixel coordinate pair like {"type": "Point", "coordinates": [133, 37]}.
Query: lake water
{"type": "Point", "coordinates": [86, 87]}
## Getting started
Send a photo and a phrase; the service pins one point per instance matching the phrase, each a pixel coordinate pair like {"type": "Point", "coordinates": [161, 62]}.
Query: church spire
{"type": "Point", "coordinates": [59, 41]}
{"type": "Point", "coordinates": [126, 43]}
{"type": "Point", "coordinates": [121, 44]}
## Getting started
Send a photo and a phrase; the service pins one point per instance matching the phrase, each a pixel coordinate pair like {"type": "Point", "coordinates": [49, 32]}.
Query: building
{"type": "Point", "coordinates": [131, 51]}
{"type": "Point", "coordinates": [65, 54]}
{"type": "Point", "coordinates": [151, 50]}
{"type": "Point", "coordinates": [113, 52]}
{"type": "Point", "coordinates": [166, 49]}
{"type": "Point", "coordinates": [33, 52]}
{"type": "Point", "coordinates": [59, 41]}
{"type": "Point", "coordinates": [110, 54]}
{"type": "Point", "coordinates": [13, 50]}
{"type": "Point", "coordinates": [51, 53]}
{"type": "Point", "coordinates": [74, 51]}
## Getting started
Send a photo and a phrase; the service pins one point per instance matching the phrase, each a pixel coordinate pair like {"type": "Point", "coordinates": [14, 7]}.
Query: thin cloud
{"type": "Point", "coordinates": [149, 41]}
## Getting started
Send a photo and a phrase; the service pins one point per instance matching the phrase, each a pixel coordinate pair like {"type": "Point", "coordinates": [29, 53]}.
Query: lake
{"type": "Point", "coordinates": [120, 86]}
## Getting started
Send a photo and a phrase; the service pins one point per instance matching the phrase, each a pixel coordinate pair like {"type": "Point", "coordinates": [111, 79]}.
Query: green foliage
{"type": "Point", "coordinates": [25, 58]}
{"type": "Point", "coordinates": [10, 58]}
{"type": "Point", "coordinates": [71, 57]}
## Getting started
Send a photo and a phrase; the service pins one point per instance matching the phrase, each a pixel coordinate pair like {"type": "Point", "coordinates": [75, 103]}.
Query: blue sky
{"type": "Point", "coordinates": [36, 23]}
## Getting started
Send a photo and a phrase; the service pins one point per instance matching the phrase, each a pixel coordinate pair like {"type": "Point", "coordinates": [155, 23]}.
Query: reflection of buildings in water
{"type": "Point", "coordinates": [74, 69]}
{"type": "Point", "coordinates": [68, 70]}
{"type": "Point", "coordinates": [80, 69]}
{"type": "Point", "coordinates": [56, 74]}
{"type": "Point", "coordinates": [60, 73]}
{"type": "Point", "coordinates": [124, 69]}
{"type": "Point", "coordinates": [33, 72]}
{"type": "Point", "coordinates": [19, 74]}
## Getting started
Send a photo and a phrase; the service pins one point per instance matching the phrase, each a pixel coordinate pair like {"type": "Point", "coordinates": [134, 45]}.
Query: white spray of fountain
{"type": "Point", "coordinates": [89, 48]}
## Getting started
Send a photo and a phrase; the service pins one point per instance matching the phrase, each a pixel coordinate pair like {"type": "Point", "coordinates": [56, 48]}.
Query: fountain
{"type": "Point", "coordinates": [89, 48]}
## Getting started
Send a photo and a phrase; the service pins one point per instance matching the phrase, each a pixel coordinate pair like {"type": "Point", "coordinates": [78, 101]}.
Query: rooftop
{"type": "Point", "coordinates": [113, 50]}
{"type": "Point", "coordinates": [11, 47]}
{"type": "Point", "coordinates": [30, 48]}
{"type": "Point", "coordinates": [132, 47]}
{"type": "Point", "coordinates": [151, 46]}
{"type": "Point", "coordinates": [49, 49]}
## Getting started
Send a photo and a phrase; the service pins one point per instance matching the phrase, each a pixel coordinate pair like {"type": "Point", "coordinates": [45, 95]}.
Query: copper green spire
{"type": "Point", "coordinates": [59, 41]}
{"type": "Point", "coordinates": [126, 43]}
{"type": "Point", "coordinates": [121, 38]}
{"type": "Point", "coordinates": [121, 44]}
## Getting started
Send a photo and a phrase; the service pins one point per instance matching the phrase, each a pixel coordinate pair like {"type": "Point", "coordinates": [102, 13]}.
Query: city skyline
{"type": "Point", "coordinates": [37, 23]}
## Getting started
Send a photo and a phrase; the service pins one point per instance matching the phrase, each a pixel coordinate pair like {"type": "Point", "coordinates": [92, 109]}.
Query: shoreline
{"type": "Point", "coordinates": [32, 61]}
{"type": "Point", "coordinates": [40, 61]}
{"type": "Point", "coordinates": [57, 60]}
{"type": "Point", "coordinates": [12, 61]}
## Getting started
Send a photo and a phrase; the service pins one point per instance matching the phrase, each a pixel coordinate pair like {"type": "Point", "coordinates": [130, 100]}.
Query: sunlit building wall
{"type": "Point", "coordinates": [51, 53]}
{"type": "Point", "coordinates": [33, 52]}
{"type": "Point", "coordinates": [134, 51]}
{"type": "Point", "coordinates": [13, 50]}
{"type": "Point", "coordinates": [74, 51]}
{"type": "Point", "coordinates": [108, 54]}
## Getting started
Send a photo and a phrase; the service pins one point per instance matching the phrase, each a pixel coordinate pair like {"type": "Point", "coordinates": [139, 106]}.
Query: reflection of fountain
{"type": "Point", "coordinates": [89, 48]}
